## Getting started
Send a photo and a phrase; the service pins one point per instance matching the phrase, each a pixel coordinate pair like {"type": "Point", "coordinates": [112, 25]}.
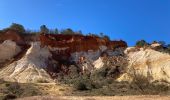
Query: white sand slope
{"type": "Point", "coordinates": [30, 68]}
{"type": "Point", "coordinates": [150, 64]}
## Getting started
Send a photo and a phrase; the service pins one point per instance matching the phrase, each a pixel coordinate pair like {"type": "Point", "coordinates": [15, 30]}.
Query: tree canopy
{"type": "Point", "coordinates": [44, 29]}
{"type": "Point", "coordinates": [67, 31]}
{"type": "Point", "coordinates": [141, 43]}
{"type": "Point", "coordinates": [17, 27]}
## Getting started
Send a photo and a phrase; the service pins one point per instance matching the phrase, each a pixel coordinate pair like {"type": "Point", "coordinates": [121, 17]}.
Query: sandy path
{"type": "Point", "coordinates": [148, 97]}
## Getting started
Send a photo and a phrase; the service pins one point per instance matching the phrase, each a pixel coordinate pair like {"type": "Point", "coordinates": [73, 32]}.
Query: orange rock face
{"type": "Point", "coordinates": [77, 43]}
{"type": "Point", "coordinates": [68, 44]}
{"type": "Point", "coordinates": [11, 35]}
{"type": "Point", "coordinates": [72, 42]}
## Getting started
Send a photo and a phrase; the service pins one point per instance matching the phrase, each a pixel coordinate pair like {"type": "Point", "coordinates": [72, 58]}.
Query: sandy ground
{"type": "Point", "coordinates": [146, 97]}
{"type": "Point", "coordinates": [56, 91]}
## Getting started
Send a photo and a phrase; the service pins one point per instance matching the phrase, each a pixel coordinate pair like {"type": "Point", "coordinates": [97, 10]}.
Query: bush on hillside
{"type": "Point", "coordinates": [44, 29]}
{"type": "Point", "coordinates": [67, 31]}
{"type": "Point", "coordinates": [144, 85]}
{"type": "Point", "coordinates": [1, 31]}
{"type": "Point", "coordinates": [79, 85]}
{"type": "Point", "coordinates": [14, 88]}
{"type": "Point", "coordinates": [9, 97]}
{"type": "Point", "coordinates": [17, 27]}
{"type": "Point", "coordinates": [42, 81]}
{"type": "Point", "coordinates": [141, 43]}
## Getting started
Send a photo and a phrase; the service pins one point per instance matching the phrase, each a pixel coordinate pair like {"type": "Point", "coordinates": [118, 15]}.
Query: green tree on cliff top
{"type": "Point", "coordinates": [17, 27]}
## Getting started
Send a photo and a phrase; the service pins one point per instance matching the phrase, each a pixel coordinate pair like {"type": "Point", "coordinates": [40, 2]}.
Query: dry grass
{"type": "Point", "coordinates": [20, 90]}
{"type": "Point", "coordinates": [32, 89]}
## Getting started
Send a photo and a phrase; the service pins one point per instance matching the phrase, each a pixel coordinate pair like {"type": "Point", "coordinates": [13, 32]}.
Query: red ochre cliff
{"type": "Point", "coordinates": [17, 37]}
{"type": "Point", "coordinates": [77, 43]}
{"type": "Point", "coordinates": [68, 44]}
{"type": "Point", "coordinates": [10, 35]}
{"type": "Point", "coordinates": [65, 49]}
{"type": "Point", "coordinates": [63, 44]}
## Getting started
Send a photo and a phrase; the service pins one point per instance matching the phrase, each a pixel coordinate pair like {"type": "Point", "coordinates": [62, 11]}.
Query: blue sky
{"type": "Point", "coordinates": [130, 20]}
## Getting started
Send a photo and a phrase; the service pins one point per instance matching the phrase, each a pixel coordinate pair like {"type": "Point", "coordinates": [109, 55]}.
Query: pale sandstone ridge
{"type": "Point", "coordinates": [8, 49]}
{"type": "Point", "coordinates": [30, 68]}
{"type": "Point", "coordinates": [149, 64]}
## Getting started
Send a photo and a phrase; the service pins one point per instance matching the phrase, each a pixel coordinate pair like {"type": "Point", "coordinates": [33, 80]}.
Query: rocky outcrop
{"type": "Point", "coordinates": [74, 46]}
{"type": "Point", "coordinates": [33, 64]}
{"type": "Point", "coordinates": [90, 54]}
{"type": "Point", "coordinates": [86, 53]}
{"type": "Point", "coordinates": [8, 49]}
{"type": "Point", "coordinates": [149, 64]}
{"type": "Point", "coordinates": [78, 43]}
{"type": "Point", "coordinates": [156, 46]}
{"type": "Point", "coordinates": [30, 68]}
{"type": "Point", "coordinates": [114, 61]}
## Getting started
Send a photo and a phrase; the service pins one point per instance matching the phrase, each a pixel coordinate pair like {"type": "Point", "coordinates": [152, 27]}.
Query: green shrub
{"type": "Point", "coordinates": [7, 84]}
{"type": "Point", "coordinates": [80, 85]}
{"type": "Point", "coordinates": [83, 83]}
{"type": "Point", "coordinates": [100, 73]}
{"type": "Point", "coordinates": [141, 43]}
{"type": "Point", "coordinates": [17, 27]}
{"type": "Point", "coordinates": [44, 29]}
{"type": "Point", "coordinates": [9, 97]}
{"type": "Point", "coordinates": [68, 32]}
{"type": "Point", "coordinates": [146, 87]}
{"type": "Point", "coordinates": [34, 93]}
{"type": "Point", "coordinates": [42, 81]}
{"type": "Point", "coordinates": [14, 88]}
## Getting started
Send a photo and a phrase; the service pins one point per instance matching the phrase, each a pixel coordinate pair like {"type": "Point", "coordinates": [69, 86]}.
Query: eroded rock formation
{"type": "Point", "coordinates": [77, 43]}
{"type": "Point", "coordinates": [32, 64]}
{"type": "Point", "coordinates": [149, 64]}
{"type": "Point", "coordinates": [30, 68]}
{"type": "Point", "coordinates": [74, 46]}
